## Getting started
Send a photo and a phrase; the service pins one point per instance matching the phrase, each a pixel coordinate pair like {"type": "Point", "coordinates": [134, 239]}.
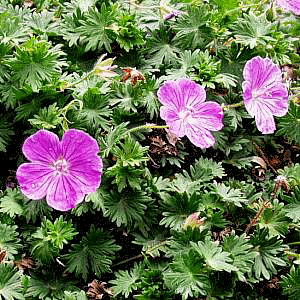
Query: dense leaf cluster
{"type": "Point", "coordinates": [169, 221]}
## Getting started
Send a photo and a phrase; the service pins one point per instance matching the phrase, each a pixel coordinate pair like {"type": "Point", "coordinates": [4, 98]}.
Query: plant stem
{"type": "Point", "coordinates": [147, 126]}
{"type": "Point", "coordinates": [230, 106]}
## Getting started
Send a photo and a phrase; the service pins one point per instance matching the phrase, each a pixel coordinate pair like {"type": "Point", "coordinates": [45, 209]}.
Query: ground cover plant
{"type": "Point", "coordinates": [150, 149]}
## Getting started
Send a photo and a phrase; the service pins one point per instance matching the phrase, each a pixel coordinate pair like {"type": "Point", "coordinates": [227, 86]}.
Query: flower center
{"type": "Point", "coordinates": [184, 115]}
{"type": "Point", "coordinates": [61, 167]}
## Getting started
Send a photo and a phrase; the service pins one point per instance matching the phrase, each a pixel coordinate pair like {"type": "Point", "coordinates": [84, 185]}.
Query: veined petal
{"type": "Point", "coordinates": [43, 146]}
{"type": "Point", "coordinates": [64, 193]}
{"type": "Point", "coordinates": [209, 115]}
{"type": "Point", "coordinates": [173, 121]}
{"type": "Point", "coordinates": [34, 179]}
{"type": "Point", "coordinates": [264, 120]}
{"type": "Point", "coordinates": [87, 172]}
{"type": "Point", "coordinates": [260, 72]}
{"type": "Point", "coordinates": [290, 5]}
{"type": "Point", "coordinates": [200, 138]}
{"type": "Point", "coordinates": [170, 94]}
{"type": "Point", "coordinates": [77, 144]}
{"type": "Point", "coordinates": [193, 93]}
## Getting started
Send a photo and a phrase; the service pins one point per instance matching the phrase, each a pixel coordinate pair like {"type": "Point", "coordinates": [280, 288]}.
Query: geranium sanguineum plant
{"type": "Point", "coordinates": [63, 171]}
{"type": "Point", "coordinates": [265, 94]}
{"type": "Point", "coordinates": [186, 112]}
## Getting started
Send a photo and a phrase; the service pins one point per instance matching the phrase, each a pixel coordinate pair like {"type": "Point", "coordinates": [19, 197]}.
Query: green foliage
{"type": "Point", "coordinates": [242, 254]}
{"type": "Point", "coordinates": [229, 195]}
{"type": "Point", "coordinates": [252, 30]}
{"type": "Point", "coordinates": [292, 210]}
{"type": "Point", "coordinates": [126, 281]}
{"type": "Point", "coordinates": [292, 174]}
{"type": "Point", "coordinates": [290, 283]}
{"type": "Point", "coordinates": [50, 238]}
{"type": "Point", "coordinates": [96, 110]}
{"type": "Point", "coordinates": [36, 209]}
{"type": "Point", "coordinates": [130, 156]}
{"type": "Point", "coordinates": [176, 208]}
{"type": "Point", "coordinates": [275, 219]}
{"type": "Point", "coordinates": [128, 34]}
{"type": "Point", "coordinates": [127, 208]}
{"type": "Point", "coordinates": [202, 67]}
{"type": "Point", "coordinates": [94, 253]}
{"type": "Point", "coordinates": [5, 133]}
{"type": "Point", "coordinates": [160, 49]}
{"type": "Point", "coordinates": [10, 283]}
{"type": "Point", "coordinates": [185, 275]}
{"type": "Point", "coordinates": [11, 203]}
{"type": "Point", "coordinates": [214, 257]}
{"type": "Point", "coordinates": [97, 29]}
{"type": "Point", "coordinates": [9, 240]}
{"type": "Point", "coordinates": [36, 63]}
{"type": "Point", "coordinates": [47, 117]}
{"type": "Point", "coordinates": [289, 125]}
{"type": "Point", "coordinates": [49, 284]}
{"type": "Point", "coordinates": [269, 251]}
{"type": "Point", "coordinates": [193, 29]}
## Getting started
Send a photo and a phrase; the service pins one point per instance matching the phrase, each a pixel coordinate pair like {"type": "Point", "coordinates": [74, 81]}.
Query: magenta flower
{"type": "Point", "coordinates": [186, 113]}
{"type": "Point", "coordinates": [63, 171]}
{"type": "Point", "coordinates": [289, 5]}
{"type": "Point", "coordinates": [265, 94]}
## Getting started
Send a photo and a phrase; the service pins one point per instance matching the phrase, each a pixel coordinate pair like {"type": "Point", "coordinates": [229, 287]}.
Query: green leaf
{"type": "Point", "coordinates": [93, 254]}
{"type": "Point", "coordinates": [275, 220]}
{"type": "Point", "coordinates": [214, 256]}
{"type": "Point", "coordinates": [186, 276]}
{"type": "Point", "coordinates": [229, 195]}
{"type": "Point", "coordinates": [5, 132]}
{"type": "Point", "coordinates": [252, 30]}
{"type": "Point", "coordinates": [176, 208]}
{"type": "Point", "coordinates": [241, 252]}
{"type": "Point", "coordinates": [11, 203]}
{"type": "Point", "coordinates": [9, 240]}
{"type": "Point", "coordinates": [10, 283]}
{"type": "Point", "coordinates": [49, 284]}
{"type": "Point", "coordinates": [269, 250]}
{"type": "Point", "coordinates": [97, 30]}
{"type": "Point", "coordinates": [290, 283]}
{"type": "Point", "coordinates": [96, 110]}
{"type": "Point", "coordinates": [50, 238]}
{"type": "Point", "coordinates": [193, 29]}
{"type": "Point", "coordinates": [47, 117]}
{"type": "Point", "coordinates": [128, 208]}
{"type": "Point", "coordinates": [289, 125]}
{"type": "Point", "coordinates": [36, 63]}
{"type": "Point", "coordinates": [126, 281]}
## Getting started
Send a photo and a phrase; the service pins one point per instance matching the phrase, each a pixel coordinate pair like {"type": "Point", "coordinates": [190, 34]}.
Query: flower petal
{"type": "Point", "coordinates": [290, 5]}
{"type": "Point", "coordinates": [34, 179]}
{"type": "Point", "coordinates": [64, 193]}
{"type": "Point", "coordinates": [193, 93]}
{"type": "Point", "coordinates": [261, 72]}
{"type": "Point", "coordinates": [43, 146]}
{"type": "Point", "coordinates": [170, 95]}
{"type": "Point", "coordinates": [200, 138]}
{"type": "Point", "coordinates": [173, 121]}
{"type": "Point", "coordinates": [209, 115]}
{"type": "Point", "coordinates": [81, 152]}
{"type": "Point", "coordinates": [264, 120]}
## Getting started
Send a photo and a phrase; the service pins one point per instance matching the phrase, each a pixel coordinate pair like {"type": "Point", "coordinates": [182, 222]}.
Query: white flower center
{"type": "Point", "coordinates": [186, 114]}
{"type": "Point", "coordinates": [61, 167]}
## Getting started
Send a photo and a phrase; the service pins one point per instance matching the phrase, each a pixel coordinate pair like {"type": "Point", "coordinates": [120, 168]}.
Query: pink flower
{"type": "Point", "coordinates": [265, 94]}
{"type": "Point", "coordinates": [186, 113]}
{"type": "Point", "coordinates": [63, 171]}
{"type": "Point", "coordinates": [290, 5]}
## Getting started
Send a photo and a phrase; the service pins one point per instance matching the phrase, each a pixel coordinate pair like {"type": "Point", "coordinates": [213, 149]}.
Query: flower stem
{"type": "Point", "coordinates": [230, 106]}
{"type": "Point", "coordinates": [147, 126]}
{"type": "Point", "coordinates": [80, 80]}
